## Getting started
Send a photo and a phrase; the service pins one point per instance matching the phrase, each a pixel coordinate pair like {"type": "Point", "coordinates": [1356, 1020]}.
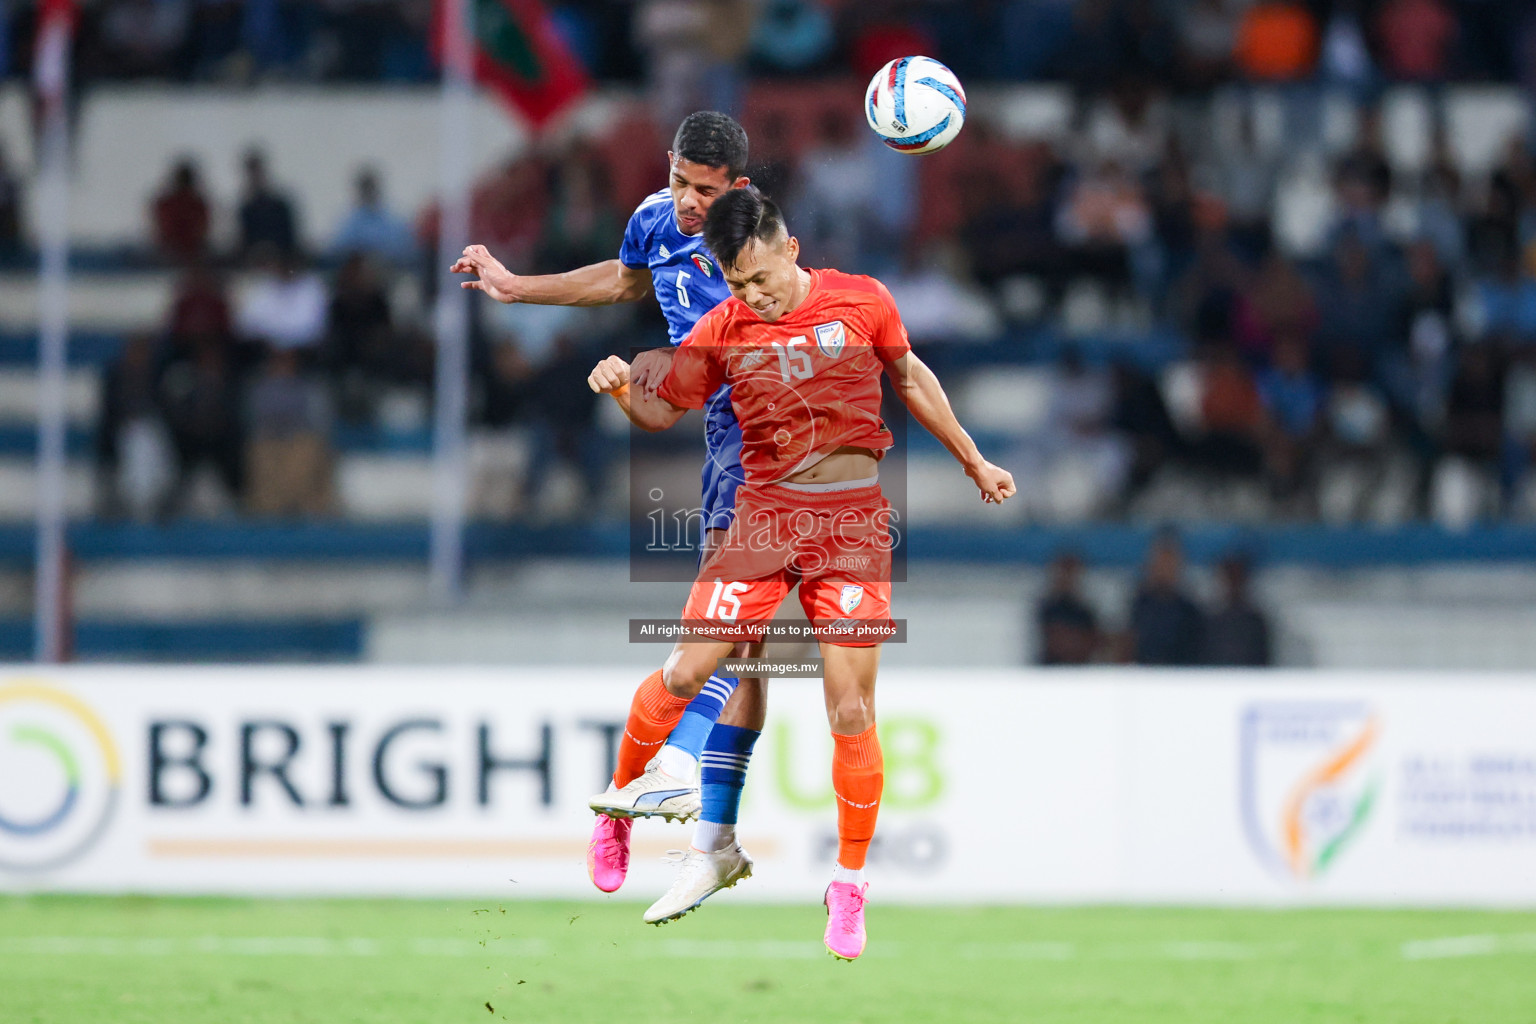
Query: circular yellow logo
{"type": "Point", "coordinates": [60, 777]}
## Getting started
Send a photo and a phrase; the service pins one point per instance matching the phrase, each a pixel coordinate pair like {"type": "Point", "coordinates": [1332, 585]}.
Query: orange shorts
{"type": "Point", "coordinates": [835, 545]}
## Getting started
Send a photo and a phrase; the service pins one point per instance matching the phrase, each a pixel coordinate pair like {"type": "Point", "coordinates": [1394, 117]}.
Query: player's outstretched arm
{"type": "Point", "coordinates": [600, 284]}
{"type": "Point", "coordinates": [922, 393]}
{"type": "Point", "coordinates": [646, 410]}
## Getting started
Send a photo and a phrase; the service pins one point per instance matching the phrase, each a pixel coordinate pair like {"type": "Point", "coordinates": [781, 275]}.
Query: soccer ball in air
{"type": "Point", "coordinates": [915, 105]}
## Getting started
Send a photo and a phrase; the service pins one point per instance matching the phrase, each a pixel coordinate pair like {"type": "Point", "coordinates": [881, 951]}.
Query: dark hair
{"type": "Point", "coordinates": [735, 219]}
{"type": "Point", "coordinates": [713, 139]}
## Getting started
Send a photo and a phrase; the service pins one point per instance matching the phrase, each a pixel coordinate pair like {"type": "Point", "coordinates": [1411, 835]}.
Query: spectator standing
{"type": "Point", "coordinates": [266, 215]}
{"type": "Point", "coordinates": [1237, 633]}
{"type": "Point", "coordinates": [1067, 629]}
{"type": "Point", "coordinates": [201, 397]}
{"type": "Point", "coordinates": [133, 457]}
{"type": "Point", "coordinates": [200, 313]}
{"type": "Point", "coordinates": [181, 216]}
{"type": "Point", "coordinates": [288, 455]}
{"type": "Point", "coordinates": [1167, 627]}
{"type": "Point", "coordinates": [371, 228]}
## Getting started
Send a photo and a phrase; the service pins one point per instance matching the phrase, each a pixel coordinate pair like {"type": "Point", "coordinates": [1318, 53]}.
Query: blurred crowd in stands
{"type": "Point", "coordinates": [1328, 331]}
{"type": "Point", "coordinates": [1163, 625]}
{"type": "Point", "coordinates": [715, 44]}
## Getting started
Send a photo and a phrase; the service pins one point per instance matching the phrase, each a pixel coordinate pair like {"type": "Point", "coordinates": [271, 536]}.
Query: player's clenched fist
{"type": "Point", "coordinates": [609, 375]}
{"type": "Point", "coordinates": [490, 276]}
{"type": "Point", "coordinates": [995, 482]}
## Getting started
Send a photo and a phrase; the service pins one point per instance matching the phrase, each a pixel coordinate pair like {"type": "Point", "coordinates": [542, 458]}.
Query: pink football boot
{"type": "Point", "coordinates": [608, 852]}
{"type": "Point", "coordinates": [845, 919]}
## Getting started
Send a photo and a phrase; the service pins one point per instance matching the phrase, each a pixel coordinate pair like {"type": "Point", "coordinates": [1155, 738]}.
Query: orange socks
{"type": "Point", "coordinates": [652, 715]}
{"type": "Point", "coordinates": [858, 777]}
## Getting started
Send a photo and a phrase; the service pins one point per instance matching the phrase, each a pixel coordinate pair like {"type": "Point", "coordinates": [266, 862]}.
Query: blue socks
{"type": "Point", "coordinates": [722, 752]}
{"type": "Point", "coordinates": [724, 764]}
{"type": "Point", "coordinates": [700, 716]}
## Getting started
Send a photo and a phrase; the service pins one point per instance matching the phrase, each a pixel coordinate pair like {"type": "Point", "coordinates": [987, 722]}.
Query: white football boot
{"type": "Point", "coordinates": [655, 794]}
{"type": "Point", "coordinates": [699, 876]}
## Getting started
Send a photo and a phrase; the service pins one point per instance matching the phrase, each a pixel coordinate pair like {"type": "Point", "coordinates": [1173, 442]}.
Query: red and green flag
{"type": "Point", "coordinates": [520, 55]}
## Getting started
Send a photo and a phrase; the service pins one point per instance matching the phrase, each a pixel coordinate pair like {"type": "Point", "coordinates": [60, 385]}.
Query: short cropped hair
{"type": "Point", "coordinates": [713, 139]}
{"type": "Point", "coordinates": [736, 218]}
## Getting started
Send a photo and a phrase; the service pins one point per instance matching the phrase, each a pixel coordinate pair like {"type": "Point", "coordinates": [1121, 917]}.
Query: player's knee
{"type": "Point", "coordinates": [851, 714]}
{"type": "Point", "coordinates": [684, 676]}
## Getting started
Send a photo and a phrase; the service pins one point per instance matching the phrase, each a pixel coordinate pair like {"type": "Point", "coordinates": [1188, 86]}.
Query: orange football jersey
{"type": "Point", "coordinates": [802, 386]}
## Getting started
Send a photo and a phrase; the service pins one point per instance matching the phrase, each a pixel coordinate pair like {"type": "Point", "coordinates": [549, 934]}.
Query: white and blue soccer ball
{"type": "Point", "coordinates": [915, 105]}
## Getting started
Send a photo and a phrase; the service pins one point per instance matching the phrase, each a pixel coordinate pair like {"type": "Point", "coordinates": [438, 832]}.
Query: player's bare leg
{"type": "Point", "coordinates": [670, 777]}
{"type": "Point", "coordinates": [650, 790]}
{"type": "Point", "coordinates": [858, 778]}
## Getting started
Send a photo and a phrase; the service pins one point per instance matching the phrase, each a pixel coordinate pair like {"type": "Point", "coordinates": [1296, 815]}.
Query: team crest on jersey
{"type": "Point", "coordinates": [831, 338]}
{"type": "Point", "coordinates": [706, 267]}
{"type": "Point", "coordinates": [852, 593]}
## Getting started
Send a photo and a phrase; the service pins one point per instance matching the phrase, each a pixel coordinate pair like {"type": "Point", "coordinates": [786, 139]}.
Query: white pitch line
{"type": "Point", "coordinates": [1448, 947]}
{"type": "Point", "coordinates": [1453, 946]}
{"type": "Point", "coordinates": [292, 945]}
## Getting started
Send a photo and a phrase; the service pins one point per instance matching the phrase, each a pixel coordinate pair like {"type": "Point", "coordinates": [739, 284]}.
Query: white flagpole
{"type": "Point", "coordinates": [52, 77]}
{"type": "Point", "coordinates": [450, 470]}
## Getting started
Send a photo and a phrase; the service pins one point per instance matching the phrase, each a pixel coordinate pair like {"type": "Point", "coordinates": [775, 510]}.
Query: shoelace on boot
{"type": "Point", "coordinates": [693, 864]}
{"type": "Point", "coordinates": [848, 904]}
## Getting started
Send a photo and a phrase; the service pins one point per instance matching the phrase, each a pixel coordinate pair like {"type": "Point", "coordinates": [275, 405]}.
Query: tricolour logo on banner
{"type": "Point", "coordinates": [1309, 781]}
{"type": "Point", "coordinates": [60, 777]}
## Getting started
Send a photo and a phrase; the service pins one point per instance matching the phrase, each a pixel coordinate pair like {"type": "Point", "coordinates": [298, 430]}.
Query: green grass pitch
{"type": "Point", "coordinates": [90, 960]}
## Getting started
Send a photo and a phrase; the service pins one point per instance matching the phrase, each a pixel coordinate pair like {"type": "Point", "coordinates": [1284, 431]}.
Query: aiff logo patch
{"type": "Point", "coordinates": [1308, 781]}
{"type": "Point", "coordinates": [60, 777]}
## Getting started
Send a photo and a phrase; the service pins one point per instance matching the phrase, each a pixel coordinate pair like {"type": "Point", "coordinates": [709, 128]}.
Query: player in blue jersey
{"type": "Point", "coordinates": [663, 253]}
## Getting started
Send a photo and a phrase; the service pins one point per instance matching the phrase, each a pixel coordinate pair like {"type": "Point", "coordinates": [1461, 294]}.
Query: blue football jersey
{"type": "Point", "coordinates": [683, 274]}
{"type": "Point", "coordinates": [688, 284]}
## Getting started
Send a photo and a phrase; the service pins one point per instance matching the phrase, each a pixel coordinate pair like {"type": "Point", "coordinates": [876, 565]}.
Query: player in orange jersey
{"type": "Point", "coordinates": [804, 352]}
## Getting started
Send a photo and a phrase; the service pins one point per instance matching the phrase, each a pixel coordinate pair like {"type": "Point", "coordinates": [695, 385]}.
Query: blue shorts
{"type": "Point", "coordinates": [722, 460]}
{"type": "Point", "coordinates": [721, 476]}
